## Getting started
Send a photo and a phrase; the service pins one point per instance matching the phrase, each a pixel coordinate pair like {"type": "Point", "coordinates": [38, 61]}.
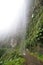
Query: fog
{"type": "Point", "coordinates": [13, 17]}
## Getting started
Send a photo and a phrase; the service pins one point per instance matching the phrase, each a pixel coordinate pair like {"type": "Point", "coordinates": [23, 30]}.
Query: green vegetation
{"type": "Point", "coordinates": [33, 41]}
{"type": "Point", "coordinates": [2, 51]}
{"type": "Point", "coordinates": [34, 37]}
{"type": "Point", "coordinates": [16, 61]}
{"type": "Point", "coordinates": [12, 58]}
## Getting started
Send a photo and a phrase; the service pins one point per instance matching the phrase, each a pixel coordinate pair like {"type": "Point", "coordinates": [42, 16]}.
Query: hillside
{"type": "Point", "coordinates": [31, 47]}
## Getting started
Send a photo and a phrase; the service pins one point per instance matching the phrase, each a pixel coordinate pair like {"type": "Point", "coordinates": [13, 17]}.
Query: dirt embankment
{"type": "Point", "coordinates": [30, 60]}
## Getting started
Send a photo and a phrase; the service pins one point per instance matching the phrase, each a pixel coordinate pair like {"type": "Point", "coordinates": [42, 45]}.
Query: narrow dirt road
{"type": "Point", "coordinates": [30, 60]}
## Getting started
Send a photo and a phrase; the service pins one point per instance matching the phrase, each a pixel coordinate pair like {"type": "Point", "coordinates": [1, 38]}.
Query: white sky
{"type": "Point", "coordinates": [13, 15]}
{"type": "Point", "coordinates": [9, 13]}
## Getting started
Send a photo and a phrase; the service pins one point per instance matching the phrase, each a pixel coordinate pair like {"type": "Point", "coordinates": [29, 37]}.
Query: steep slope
{"type": "Point", "coordinates": [36, 25]}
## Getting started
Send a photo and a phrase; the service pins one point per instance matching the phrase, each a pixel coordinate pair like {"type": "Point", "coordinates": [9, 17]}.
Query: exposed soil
{"type": "Point", "coordinates": [30, 60]}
